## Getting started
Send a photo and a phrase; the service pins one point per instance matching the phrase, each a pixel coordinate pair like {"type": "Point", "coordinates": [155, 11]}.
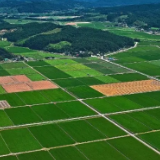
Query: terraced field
{"type": "Point", "coordinates": [74, 121]}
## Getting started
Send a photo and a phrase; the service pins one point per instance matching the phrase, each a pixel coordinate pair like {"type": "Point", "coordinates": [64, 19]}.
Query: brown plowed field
{"type": "Point", "coordinates": [6, 80]}
{"type": "Point", "coordinates": [21, 78]}
{"type": "Point", "coordinates": [40, 85]}
{"type": "Point", "coordinates": [128, 87]}
{"type": "Point", "coordinates": [21, 87]}
{"type": "Point", "coordinates": [21, 83]}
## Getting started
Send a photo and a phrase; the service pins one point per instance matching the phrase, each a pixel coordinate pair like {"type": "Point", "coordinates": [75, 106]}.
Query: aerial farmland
{"type": "Point", "coordinates": [53, 109]}
{"type": "Point", "coordinates": [79, 81]}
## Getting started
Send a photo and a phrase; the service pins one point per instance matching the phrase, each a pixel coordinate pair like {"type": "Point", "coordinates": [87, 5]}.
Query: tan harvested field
{"type": "Point", "coordinates": [21, 83]}
{"type": "Point", "coordinates": [115, 89]}
{"type": "Point", "coordinates": [4, 104]}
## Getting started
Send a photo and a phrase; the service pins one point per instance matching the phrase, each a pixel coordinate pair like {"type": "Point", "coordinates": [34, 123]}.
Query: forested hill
{"type": "Point", "coordinates": [67, 39]}
{"type": "Point", "coordinates": [143, 16]}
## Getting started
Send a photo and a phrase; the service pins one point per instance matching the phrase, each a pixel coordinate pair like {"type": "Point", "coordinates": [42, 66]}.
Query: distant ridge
{"type": "Point", "coordinates": [39, 6]}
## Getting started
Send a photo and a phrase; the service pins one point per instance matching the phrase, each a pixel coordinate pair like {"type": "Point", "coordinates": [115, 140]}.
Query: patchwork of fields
{"type": "Point", "coordinates": [74, 121]}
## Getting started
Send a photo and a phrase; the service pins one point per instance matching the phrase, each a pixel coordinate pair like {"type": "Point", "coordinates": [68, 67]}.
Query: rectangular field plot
{"type": "Point", "coordinates": [126, 88]}
{"type": "Point", "coordinates": [5, 120]}
{"type": "Point", "coordinates": [129, 77]}
{"type": "Point", "coordinates": [82, 60]}
{"type": "Point", "coordinates": [139, 121]}
{"type": "Point", "coordinates": [36, 77]}
{"type": "Point", "coordinates": [105, 127]}
{"type": "Point", "coordinates": [149, 99]}
{"type": "Point", "coordinates": [145, 67]}
{"type": "Point", "coordinates": [152, 138]}
{"type": "Point", "coordinates": [107, 79]}
{"type": "Point", "coordinates": [12, 99]}
{"type": "Point", "coordinates": [51, 136]}
{"type": "Point", "coordinates": [67, 153]}
{"type": "Point", "coordinates": [2, 91]}
{"type": "Point", "coordinates": [84, 92]}
{"type": "Point", "coordinates": [48, 112]}
{"type": "Point", "coordinates": [90, 80]}
{"type": "Point", "coordinates": [140, 53]}
{"type": "Point", "coordinates": [52, 72]}
{"type": "Point", "coordinates": [23, 71]}
{"type": "Point", "coordinates": [4, 149]}
{"type": "Point", "coordinates": [56, 95]}
{"type": "Point", "coordinates": [107, 68]}
{"type": "Point", "coordinates": [135, 151]}
{"type": "Point", "coordinates": [38, 63]}
{"type": "Point", "coordinates": [41, 155]}
{"type": "Point", "coordinates": [101, 151]}
{"type": "Point", "coordinates": [9, 158]}
{"type": "Point", "coordinates": [22, 115]}
{"type": "Point", "coordinates": [61, 62]}
{"type": "Point", "coordinates": [20, 140]}
{"type": "Point", "coordinates": [76, 74]}
{"type": "Point", "coordinates": [33, 97]}
{"type": "Point", "coordinates": [81, 131]}
{"type": "Point", "coordinates": [75, 109]}
{"type": "Point", "coordinates": [112, 104]}
{"type": "Point", "coordinates": [4, 73]}
{"type": "Point", "coordinates": [72, 67]}
{"type": "Point", "coordinates": [13, 65]}
{"type": "Point", "coordinates": [70, 82]}
{"type": "Point", "coordinates": [15, 49]}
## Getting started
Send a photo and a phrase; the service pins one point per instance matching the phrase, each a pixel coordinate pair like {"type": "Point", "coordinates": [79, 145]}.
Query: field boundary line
{"type": "Point", "coordinates": [64, 146]}
{"type": "Point", "coordinates": [48, 122]}
{"type": "Point", "coordinates": [76, 118]}
{"type": "Point", "coordinates": [134, 110]}
{"type": "Point", "coordinates": [142, 133]}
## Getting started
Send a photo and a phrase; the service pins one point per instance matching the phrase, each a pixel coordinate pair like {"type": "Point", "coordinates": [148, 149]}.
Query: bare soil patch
{"type": "Point", "coordinates": [21, 87]}
{"type": "Point", "coordinates": [21, 78]}
{"type": "Point", "coordinates": [6, 80]}
{"type": "Point", "coordinates": [41, 85]}
{"type": "Point", "coordinates": [21, 83]}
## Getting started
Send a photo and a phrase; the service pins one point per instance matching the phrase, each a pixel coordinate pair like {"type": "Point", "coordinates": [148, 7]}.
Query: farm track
{"type": "Point", "coordinates": [107, 118]}
{"type": "Point", "coordinates": [123, 50]}
{"type": "Point", "coordinates": [76, 118]}
{"type": "Point", "coordinates": [70, 145]}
